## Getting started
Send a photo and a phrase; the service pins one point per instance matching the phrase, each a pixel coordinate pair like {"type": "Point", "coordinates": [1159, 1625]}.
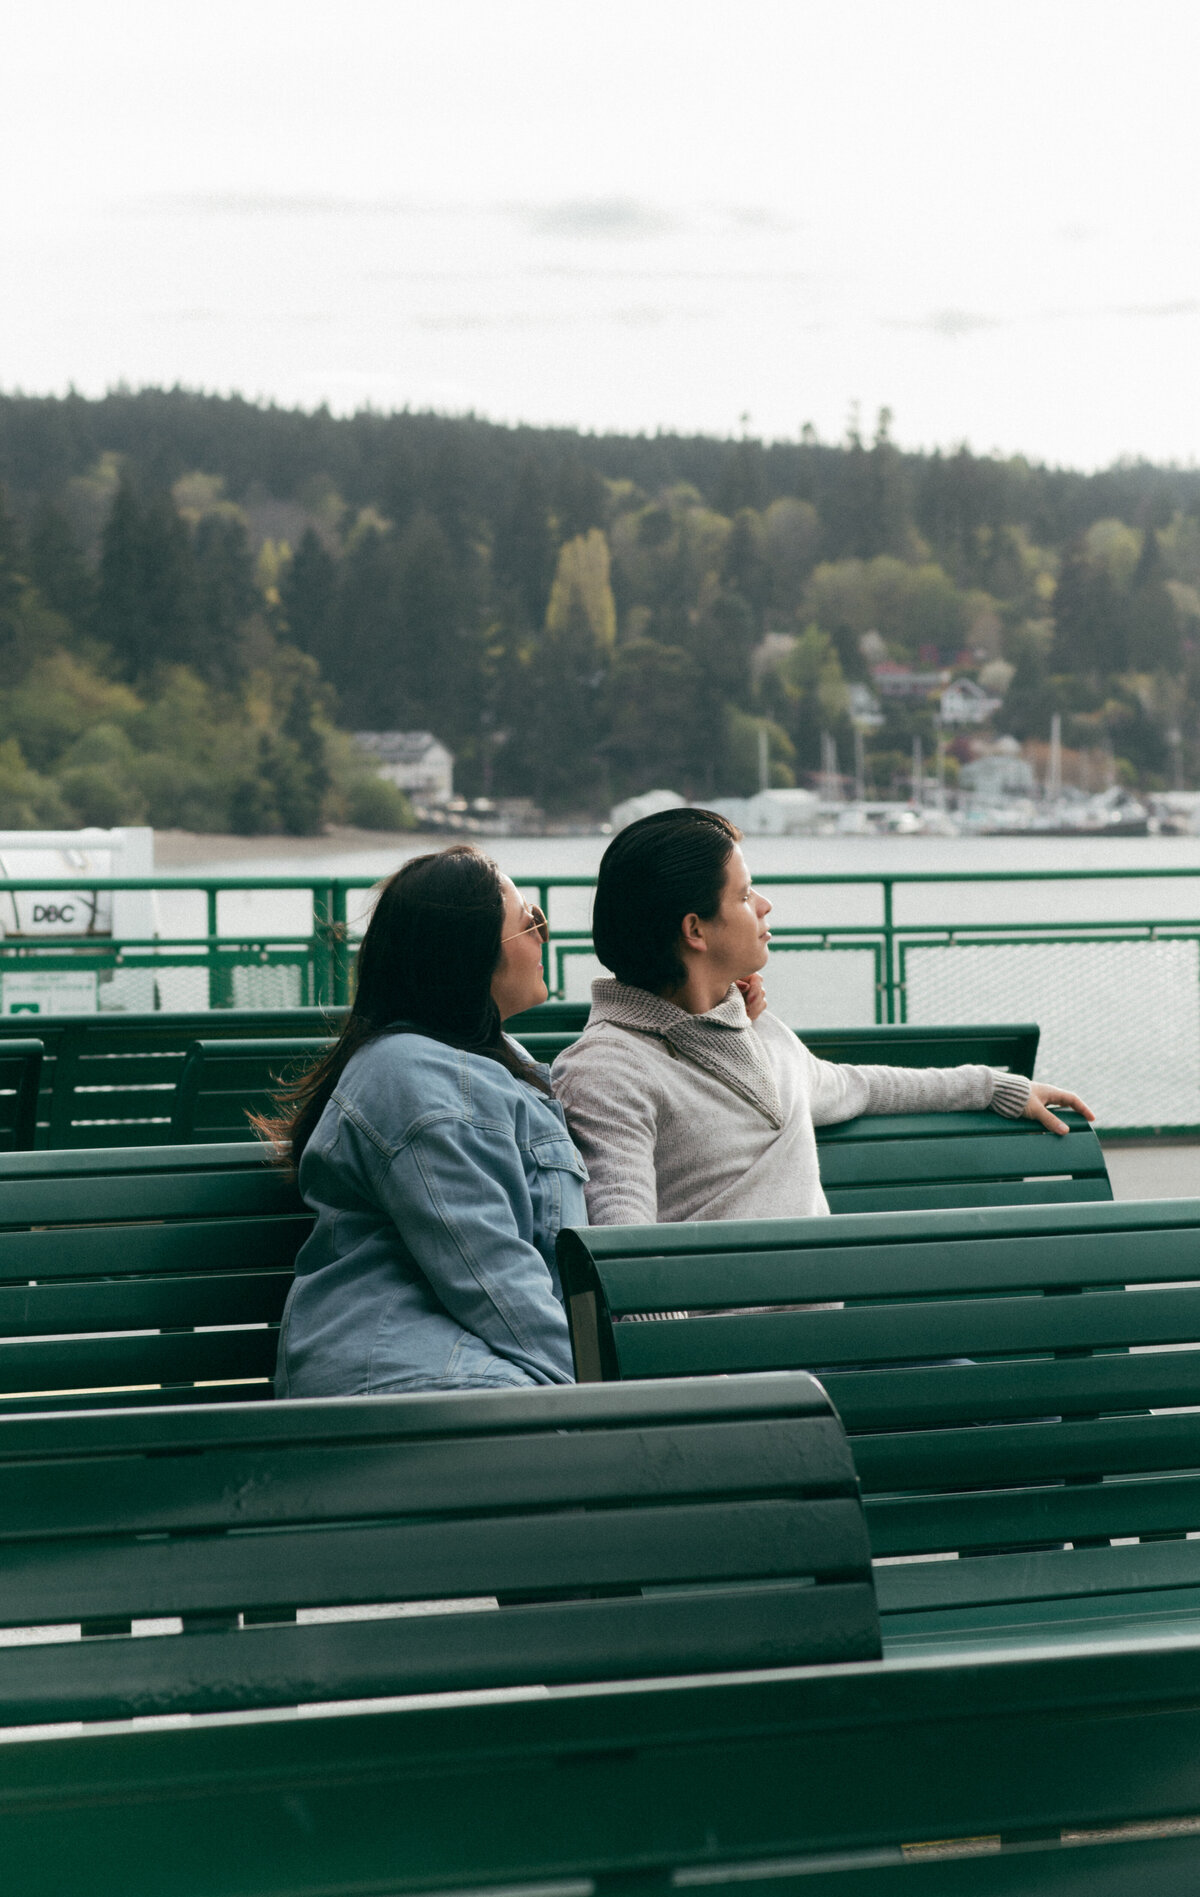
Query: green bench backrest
{"type": "Point", "coordinates": [224, 1081]}
{"type": "Point", "coordinates": [20, 1078]}
{"type": "Point", "coordinates": [833, 1781]}
{"type": "Point", "coordinates": [110, 1079]}
{"type": "Point", "coordinates": [626, 1533]}
{"type": "Point", "coordinates": [1013, 1049]}
{"type": "Point", "coordinates": [143, 1276]}
{"type": "Point", "coordinates": [921, 1161]}
{"type": "Point", "coordinates": [1068, 1329]}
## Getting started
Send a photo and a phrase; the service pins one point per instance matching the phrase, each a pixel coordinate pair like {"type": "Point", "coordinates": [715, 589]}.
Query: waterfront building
{"type": "Point", "coordinates": [415, 761]}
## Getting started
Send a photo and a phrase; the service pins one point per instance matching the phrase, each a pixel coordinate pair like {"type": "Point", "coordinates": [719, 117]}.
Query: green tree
{"type": "Point", "coordinates": [656, 717]}
{"type": "Point", "coordinates": [308, 591]}
{"type": "Point", "coordinates": [523, 550]}
{"type": "Point", "coordinates": [58, 569]}
{"type": "Point", "coordinates": [225, 597]}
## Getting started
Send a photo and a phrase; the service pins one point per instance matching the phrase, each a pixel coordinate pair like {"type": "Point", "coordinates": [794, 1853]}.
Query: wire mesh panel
{"type": "Point", "coordinates": [822, 987]}
{"type": "Point", "coordinates": [1120, 1017]}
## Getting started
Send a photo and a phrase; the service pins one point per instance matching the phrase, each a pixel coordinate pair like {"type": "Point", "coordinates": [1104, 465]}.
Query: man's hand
{"type": "Point", "coordinates": [1042, 1098]}
{"type": "Point", "coordinates": [754, 995]}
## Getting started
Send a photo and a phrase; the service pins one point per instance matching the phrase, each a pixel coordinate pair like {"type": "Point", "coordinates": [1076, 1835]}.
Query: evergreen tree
{"type": "Point", "coordinates": [225, 597]}
{"type": "Point", "coordinates": [580, 501]}
{"type": "Point", "coordinates": [1089, 630]}
{"type": "Point", "coordinates": [523, 550]}
{"type": "Point", "coordinates": [146, 605]}
{"type": "Point", "coordinates": [58, 569]}
{"type": "Point", "coordinates": [307, 594]}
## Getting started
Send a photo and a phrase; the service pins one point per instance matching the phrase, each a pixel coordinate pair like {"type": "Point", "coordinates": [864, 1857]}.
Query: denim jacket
{"type": "Point", "coordinates": [440, 1183]}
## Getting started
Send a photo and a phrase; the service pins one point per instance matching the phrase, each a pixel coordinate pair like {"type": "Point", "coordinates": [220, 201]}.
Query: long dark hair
{"type": "Point", "coordinates": [425, 966]}
{"type": "Point", "coordinates": [653, 873]}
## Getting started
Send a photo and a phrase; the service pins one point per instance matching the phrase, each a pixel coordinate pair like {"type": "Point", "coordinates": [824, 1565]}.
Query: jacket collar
{"type": "Point", "coordinates": [722, 1042]}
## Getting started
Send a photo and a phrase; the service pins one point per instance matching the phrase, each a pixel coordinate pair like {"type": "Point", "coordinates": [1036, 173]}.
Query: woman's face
{"type": "Point", "coordinates": [518, 982]}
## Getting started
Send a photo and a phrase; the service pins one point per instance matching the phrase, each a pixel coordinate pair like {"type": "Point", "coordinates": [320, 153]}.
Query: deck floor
{"type": "Point", "coordinates": [1154, 1169]}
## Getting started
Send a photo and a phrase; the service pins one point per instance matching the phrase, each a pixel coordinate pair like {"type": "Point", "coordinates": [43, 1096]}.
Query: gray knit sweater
{"type": "Point", "coordinates": [708, 1116]}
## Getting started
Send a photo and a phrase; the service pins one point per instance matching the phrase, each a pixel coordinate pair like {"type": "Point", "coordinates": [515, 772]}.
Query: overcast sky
{"type": "Point", "coordinates": [641, 214]}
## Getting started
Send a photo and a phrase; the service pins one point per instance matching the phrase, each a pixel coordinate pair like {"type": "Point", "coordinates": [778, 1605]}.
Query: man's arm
{"type": "Point", "coordinates": [613, 1117]}
{"type": "Point", "coordinates": [841, 1092]}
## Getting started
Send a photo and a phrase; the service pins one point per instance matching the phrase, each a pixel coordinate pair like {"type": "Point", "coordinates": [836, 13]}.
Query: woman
{"type": "Point", "coordinates": [434, 1156]}
{"type": "Point", "coordinates": [688, 1099]}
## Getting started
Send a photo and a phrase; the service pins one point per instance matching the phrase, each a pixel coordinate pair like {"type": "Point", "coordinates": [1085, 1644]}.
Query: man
{"type": "Point", "coordinates": [687, 1098]}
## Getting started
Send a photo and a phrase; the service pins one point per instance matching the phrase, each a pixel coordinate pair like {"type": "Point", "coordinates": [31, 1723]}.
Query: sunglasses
{"type": "Point", "coordinates": [538, 924]}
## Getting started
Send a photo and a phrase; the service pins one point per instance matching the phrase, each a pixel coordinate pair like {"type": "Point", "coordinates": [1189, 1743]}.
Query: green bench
{"type": "Point", "coordinates": [20, 1078]}
{"type": "Point", "coordinates": [222, 1557]}
{"type": "Point", "coordinates": [110, 1079]}
{"type": "Point", "coordinates": [1005, 1376]}
{"type": "Point", "coordinates": [224, 1081]}
{"type": "Point", "coordinates": [143, 1276]}
{"type": "Point", "coordinates": [641, 1670]}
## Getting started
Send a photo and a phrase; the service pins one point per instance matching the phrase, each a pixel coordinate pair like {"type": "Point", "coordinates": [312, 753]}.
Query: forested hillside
{"type": "Point", "coordinates": [200, 597]}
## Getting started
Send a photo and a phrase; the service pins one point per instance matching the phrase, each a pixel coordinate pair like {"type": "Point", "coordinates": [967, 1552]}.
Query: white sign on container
{"type": "Point", "coordinates": [48, 991]}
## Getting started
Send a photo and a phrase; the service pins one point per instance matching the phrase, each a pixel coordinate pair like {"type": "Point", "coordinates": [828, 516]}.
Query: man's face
{"type": "Point", "coordinates": [738, 933]}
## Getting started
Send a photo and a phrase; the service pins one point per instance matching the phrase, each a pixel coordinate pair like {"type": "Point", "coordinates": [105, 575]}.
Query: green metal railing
{"type": "Point", "coordinates": [1116, 991]}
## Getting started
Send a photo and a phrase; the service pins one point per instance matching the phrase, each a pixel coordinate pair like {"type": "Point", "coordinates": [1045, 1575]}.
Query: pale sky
{"type": "Point", "coordinates": [651, 213]}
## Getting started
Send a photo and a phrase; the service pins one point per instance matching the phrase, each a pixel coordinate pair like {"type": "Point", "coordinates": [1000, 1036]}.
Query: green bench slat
{"type": "Point", "coordinates": [979, 1155]}
{"type": "Point", "coordinates": [224, 1246]}
{"type": "Point", "coordinates": [21, 1062]}
{"type": "Point", "coordinates": [163, 1483]}
{"type": "Point", "coordinates": [1050, 1581]}
{"type": "Point", "coordinates": [1101, 1320]}
{"type": "Point", "coordinates": [331, 1566]}
{"type": "Point", "coordinates": [243, 1297]}
{"type": "Point", "coordinates": [76, 1363]}
{"type": "Point", "coordinates": [877, 1399]}
{"type": "Point", "coordinates": [933, 1198]}
{"type": "Point", "coordinates": [1028, 1452]}
{"type": "Point", "coordinates": [257, 1390]}
{"type": "Point", "coordinates": [918, 1524]}
{"type": "Point", "coordinates": [768, 1627]}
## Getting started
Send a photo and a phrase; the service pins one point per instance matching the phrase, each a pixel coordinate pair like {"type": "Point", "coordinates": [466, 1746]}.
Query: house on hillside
{"type": "Point", "coordinates": [415, 761]}
{"type": "Point", "coordinates": [966, 703]}
{"type": "Point", "coordinates": [900, 681]}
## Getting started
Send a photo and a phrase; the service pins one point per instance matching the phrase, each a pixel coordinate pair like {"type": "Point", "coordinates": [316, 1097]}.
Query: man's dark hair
{"type": "Point", "coordinates": [653, 874]}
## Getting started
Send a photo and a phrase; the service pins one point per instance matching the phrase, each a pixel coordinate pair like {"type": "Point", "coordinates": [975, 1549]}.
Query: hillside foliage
{"type": "Point", "coordinates": [201, 598]}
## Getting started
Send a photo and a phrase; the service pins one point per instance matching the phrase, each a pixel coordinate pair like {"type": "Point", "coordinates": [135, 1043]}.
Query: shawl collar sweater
{"type": "Point", "coordinates": [711, 1116]}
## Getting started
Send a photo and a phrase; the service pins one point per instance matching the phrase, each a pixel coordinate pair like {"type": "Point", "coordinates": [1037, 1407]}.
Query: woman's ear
{"type": "Point", "coordinates": [692, 931]}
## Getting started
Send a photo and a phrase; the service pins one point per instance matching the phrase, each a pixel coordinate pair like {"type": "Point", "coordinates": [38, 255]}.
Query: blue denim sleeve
{"type": "Point", "coordinates": [455, 1190]}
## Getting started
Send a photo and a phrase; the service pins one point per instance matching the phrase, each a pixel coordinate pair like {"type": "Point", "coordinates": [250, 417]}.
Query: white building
{"type": "Point", "coordinates": [997, 779]}
{"type": "Point", "coordinates": [648, 804]}
{"type": "Point", "coordinates": [414, 761]}
{"type": "Point", "coordinates": [966, 703]}
{"type": "Point", "coordinates": [772, 813]}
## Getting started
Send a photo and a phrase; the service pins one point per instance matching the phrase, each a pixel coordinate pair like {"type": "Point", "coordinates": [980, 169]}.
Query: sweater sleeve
{"type": "Point", "coordinates": [612, 1114]}
{"type": "Point", "coordinates": [841, 1092]}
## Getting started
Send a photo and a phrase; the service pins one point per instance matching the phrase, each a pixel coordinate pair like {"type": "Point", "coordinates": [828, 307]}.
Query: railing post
{"type": "Point", "coordinates": [888, 997]}
{"type": "Point", "coordinates": [548, 977]}
{"type": "Point", "coordinates": [322, 944]}
{"type": "Point", "coordinates": [340, 948]}
{"type": "Point", "coordinates": [218, 983]}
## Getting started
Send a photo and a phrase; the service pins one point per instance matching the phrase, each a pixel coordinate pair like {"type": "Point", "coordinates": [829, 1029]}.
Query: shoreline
{"type": "Point", "coordinates": [191, 849]}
